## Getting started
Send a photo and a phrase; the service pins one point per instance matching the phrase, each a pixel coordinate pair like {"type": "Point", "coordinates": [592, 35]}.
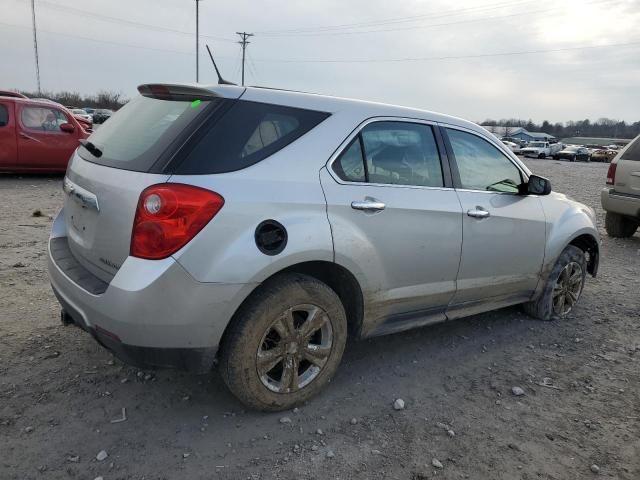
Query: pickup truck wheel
{"type": "Point", "coordinates": [619, 226]}
{"type": "Point", "coordinates": [542, 156]}
{"type": "Point", "coordinates": [284, 344]}
{"type": "Point", "coordinates": [563, 288]}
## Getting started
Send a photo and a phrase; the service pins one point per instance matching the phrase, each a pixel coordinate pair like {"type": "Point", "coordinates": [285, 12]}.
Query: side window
{"type": "Point", "coordinates": [246, 134]}
{"type": "Point", "coordinates": [4, 116]}
{"type": "Point", "coordinates": [402, 153]}
{"type": "Point", "coordinates": [350, 165]}
{"type": "Point", "coordinates": [633, 152]}
{"type": "Point", "coordinates": [42, 118]}
{"type": "Point", "coordinates": [481, 165]}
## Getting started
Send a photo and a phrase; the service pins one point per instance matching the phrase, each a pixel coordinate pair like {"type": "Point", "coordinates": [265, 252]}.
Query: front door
{"type": "Point", "coordinates": [503, 231]}
{"type": "Point", "coordinates": [396, 223]}
{"type": "Point", "coordinates": [41, 143]}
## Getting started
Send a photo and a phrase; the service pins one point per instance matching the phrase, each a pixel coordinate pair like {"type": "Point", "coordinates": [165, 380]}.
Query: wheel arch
{"type": "Point", "coordinates": [335, 276]}
{"type": "Point", "coordinates": [590, 246]}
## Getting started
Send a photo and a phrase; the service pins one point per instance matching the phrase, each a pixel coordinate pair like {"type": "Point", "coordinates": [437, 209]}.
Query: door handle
{"type": "Point", "coordinates": [479, 212]}
{"type": "Point", "coordinates": [368, 204]}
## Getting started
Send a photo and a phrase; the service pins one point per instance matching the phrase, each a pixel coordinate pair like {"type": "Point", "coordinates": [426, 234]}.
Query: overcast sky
{"type": "Point", "coordinates": [463, 58]}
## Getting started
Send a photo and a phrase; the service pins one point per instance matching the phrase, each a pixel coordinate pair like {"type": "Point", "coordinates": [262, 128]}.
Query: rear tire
{"type": "Point", "coordinates": [563, 288]}
{"type": "Point", "coordinates": [619, 226]}
{"type": "Point", "coordinates": [284, 344]}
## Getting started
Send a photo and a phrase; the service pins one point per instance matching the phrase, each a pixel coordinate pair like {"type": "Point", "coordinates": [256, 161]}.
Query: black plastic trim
{"type": "Point", "coordinates": [78, 274]}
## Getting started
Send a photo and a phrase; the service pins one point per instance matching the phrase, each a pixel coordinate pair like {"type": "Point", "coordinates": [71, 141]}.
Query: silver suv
{"type": "Point", "coordinates": [260, 229]}
{"type": "Point", "coordinates": [621, 197]}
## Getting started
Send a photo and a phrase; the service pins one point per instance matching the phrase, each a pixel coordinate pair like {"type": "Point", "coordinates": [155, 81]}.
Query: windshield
{"type": "Point", "coordinates": [571, 149]}
{"type": "Point", "coordinates": [141, 131]}
{"type": "Point", "coordinates": [536, 144]}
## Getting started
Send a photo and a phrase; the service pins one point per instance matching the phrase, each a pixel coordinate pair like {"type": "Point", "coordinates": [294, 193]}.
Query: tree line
{"type": "Point", "coordinates": [102, 99]}
{"type": "Point", "coordinates": [603, 127]}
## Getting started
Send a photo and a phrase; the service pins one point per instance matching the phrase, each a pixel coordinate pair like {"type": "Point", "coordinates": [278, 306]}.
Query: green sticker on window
{"type": "Point", "coordinates": [195, 103]}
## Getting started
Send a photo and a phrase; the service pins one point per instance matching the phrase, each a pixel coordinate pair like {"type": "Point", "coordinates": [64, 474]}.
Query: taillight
{"type": "Point", "coordinates": [168, 216]}
{"type": "Point", "coordinates": [611, 174]}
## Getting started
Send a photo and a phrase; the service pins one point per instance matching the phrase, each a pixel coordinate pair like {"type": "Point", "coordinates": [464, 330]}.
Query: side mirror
{"type": "Point", "coordinates": [67, 127]}
{"type": "Point", "coordinates": [538, 186]}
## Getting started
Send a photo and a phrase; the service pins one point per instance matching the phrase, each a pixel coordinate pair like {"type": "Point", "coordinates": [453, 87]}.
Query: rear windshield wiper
{"type": "Point", "coordinates": [93, 150]}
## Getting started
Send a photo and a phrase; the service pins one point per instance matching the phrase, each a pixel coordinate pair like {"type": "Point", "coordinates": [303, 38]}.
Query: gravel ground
{"type": "Point", "coordinates": [60, 391]}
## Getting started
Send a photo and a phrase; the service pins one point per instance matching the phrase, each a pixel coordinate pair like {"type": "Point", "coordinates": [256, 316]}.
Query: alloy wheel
{"type": "Point", "coordinates": [567, 288]}
{"type": "Point", "coordinates": [294, 348]}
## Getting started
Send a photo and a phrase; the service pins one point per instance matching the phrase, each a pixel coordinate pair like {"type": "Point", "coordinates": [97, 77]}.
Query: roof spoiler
{"type": "Point", "coordinates": [176, 92]}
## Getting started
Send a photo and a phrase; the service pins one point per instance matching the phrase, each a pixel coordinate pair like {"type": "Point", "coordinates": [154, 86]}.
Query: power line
{"type": "Point", "coordinates": [108, 42]}
{"type": "Point", "coordinates": [107, 18]}
{"type": "Point", "coordinates": [449, 57]}
{"type": "Point", "coordinates": [393, 20]}
{"type": "Point", "coordinates": [244, 43]}
{"type": "Point", "coordinates": [414, 27]}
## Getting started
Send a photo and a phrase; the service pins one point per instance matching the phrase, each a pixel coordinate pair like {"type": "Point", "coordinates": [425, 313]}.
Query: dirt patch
{"type": "Point", "coordinates": [60, 391]}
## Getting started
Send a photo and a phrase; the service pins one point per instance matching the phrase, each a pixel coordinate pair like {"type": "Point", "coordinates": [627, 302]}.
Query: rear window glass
{"type": "Point", "coordinates": [137, 135]}
{"type": "Point", "coordinates": [633, 152]}
{"type": "Point", "coordinates": [4, 116]}
{"type": "Point", "coordinates": [246, 134]}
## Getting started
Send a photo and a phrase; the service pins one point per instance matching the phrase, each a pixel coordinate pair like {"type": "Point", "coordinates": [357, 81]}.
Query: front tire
{"type": "Point", "coordinates": [284, 344]}
{"type": "Point", "coordinates": [619, 226]}
{"type": "Point", "coordinates": [563, 288]}
{"type": "Point", "coordinates": [542, 156]}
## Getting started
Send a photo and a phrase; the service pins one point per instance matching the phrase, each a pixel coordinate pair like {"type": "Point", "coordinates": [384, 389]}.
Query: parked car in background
{"type": "Point", "coordinates": [101, 115]}
{"type": "Point", "coordinates": [89, 110]}
{"type": "Point", "coordinates": [11, 93]}
{"type": "Point", "coordinates": [621, 197]}
{"type": "Point", "coordinates": [80, 113]}
{"type": "Point", "coordinates": [603, 155]}
{"type": "Point", "coordinates": [514, 147]}
{"type": "Point", "coordinates": [263, 228]}
{"type": "Point", "coordinates": [36, 136]}
{"type": "Point", "coordinates": [541, 149]}
{"type": "Point", "coordinates": [573, 153]}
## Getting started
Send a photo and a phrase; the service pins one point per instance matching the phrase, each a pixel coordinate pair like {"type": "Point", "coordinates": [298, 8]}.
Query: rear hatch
{"type": "Point", "coordinates": [119, 160]}
{"type": "Point", "coordinates": [628, 169]}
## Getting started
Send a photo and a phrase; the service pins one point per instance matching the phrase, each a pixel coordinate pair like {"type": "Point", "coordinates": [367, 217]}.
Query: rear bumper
{"type": "Point", "coordinates": [152, 313]}
{"type": "Point", "coordinates": [623, 204]}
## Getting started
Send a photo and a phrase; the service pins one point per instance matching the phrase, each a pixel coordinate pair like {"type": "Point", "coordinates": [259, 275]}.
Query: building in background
{"type": "Point", "coordinates": [520, 133]}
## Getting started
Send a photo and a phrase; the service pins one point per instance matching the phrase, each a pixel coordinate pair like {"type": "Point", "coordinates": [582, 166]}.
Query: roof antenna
{"type": "Point", "coordinates": [221, 81]}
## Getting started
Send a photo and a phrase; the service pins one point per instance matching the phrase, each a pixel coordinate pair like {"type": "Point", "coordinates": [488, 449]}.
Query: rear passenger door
{"type": "Point", "coordinates": [503, 232]}
{"type": "Point", "coordinates": [396, 222]}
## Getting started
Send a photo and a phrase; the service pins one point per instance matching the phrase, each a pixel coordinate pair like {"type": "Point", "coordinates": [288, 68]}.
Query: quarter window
{"type": "Point", "coordinates": [350, 165]}
{"type": "Point", "coordinates": [481, 165]}
{"type": "Point", "coordinates": [42, 118]}
{"type": "Point", "coordinates": [247, 134]}
{"type": "Point", "coordinates": [4, 116]}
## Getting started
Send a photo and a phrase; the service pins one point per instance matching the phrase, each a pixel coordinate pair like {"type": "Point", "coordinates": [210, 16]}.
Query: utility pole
{"type": "Point", "coordinates": [35, 41]}
{"type": "Point", "coordinates": [244, 43]}
{"type": "Point", "coordinates": [197, 41]}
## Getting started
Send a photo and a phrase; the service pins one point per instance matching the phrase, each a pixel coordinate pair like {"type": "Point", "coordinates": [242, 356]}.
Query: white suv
{"type": "Point", "coordinates": [262, 228]}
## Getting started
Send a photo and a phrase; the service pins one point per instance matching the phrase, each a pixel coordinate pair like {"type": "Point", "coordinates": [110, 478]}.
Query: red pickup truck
{"type": "Point", "coordinates": [37, 136]}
